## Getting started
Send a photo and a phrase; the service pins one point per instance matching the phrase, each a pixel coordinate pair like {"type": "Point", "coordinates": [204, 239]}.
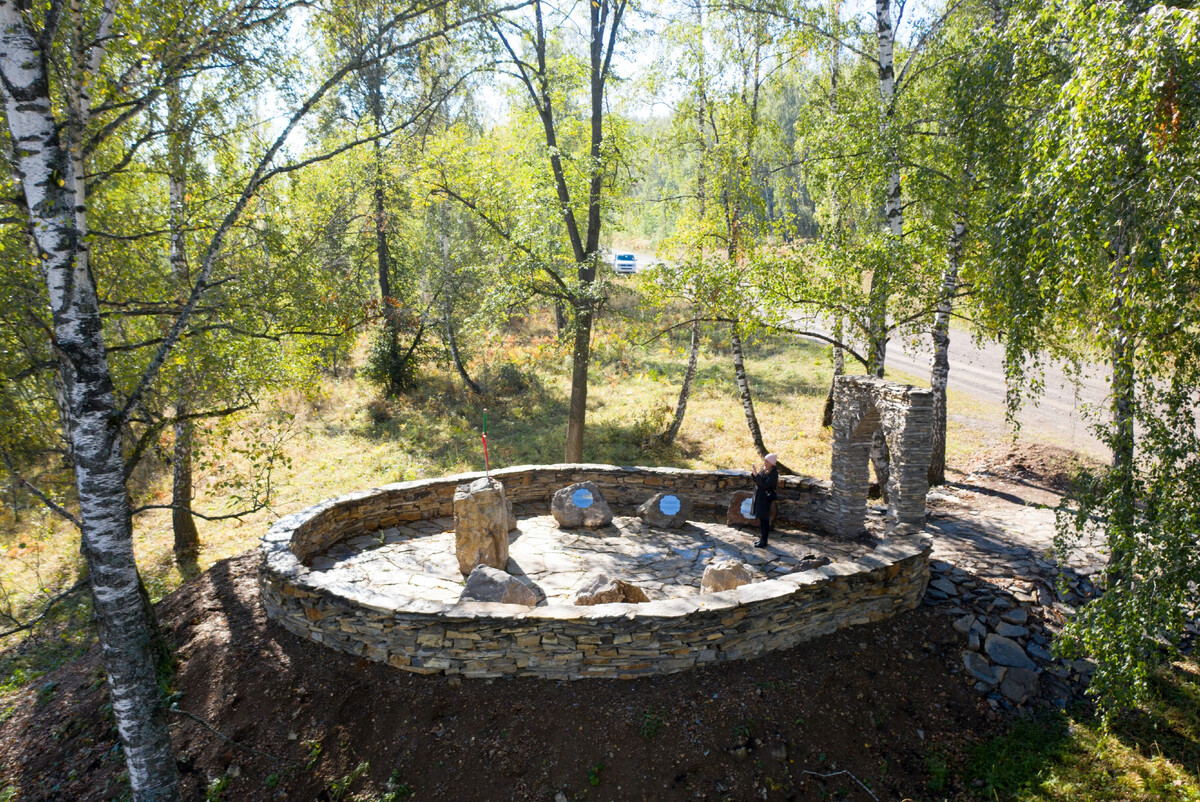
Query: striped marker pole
{"type": "Point", "coordinates": [487, 468]}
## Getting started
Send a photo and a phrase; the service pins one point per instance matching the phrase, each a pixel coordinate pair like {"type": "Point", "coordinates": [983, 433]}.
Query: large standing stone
{"type": "Point", "coordinates": [481, 524]}
{"type": "Point", "coordinates": [597, 587]}
{"type": "Point", "coordinates": [739, 509]}
{"type": "Point", "coordinates": [487, 584]}
{"type": "Point", "coordinates": [1007, 652]}
{"type": "Point", "coordinates": [725, 575]}
{"type": "Point", "coordinates": [580, 505]}
{"type": "Point", "coordinates": [666, 510]}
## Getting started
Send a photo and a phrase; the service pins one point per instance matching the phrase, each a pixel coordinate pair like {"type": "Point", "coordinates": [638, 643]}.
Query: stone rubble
{"type": "Point", "coordinates": [998, 580]}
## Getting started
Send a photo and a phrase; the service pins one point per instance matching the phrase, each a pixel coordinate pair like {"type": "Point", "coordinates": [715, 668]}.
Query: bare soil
{"type": "Point", "coordinates": [884, 705]}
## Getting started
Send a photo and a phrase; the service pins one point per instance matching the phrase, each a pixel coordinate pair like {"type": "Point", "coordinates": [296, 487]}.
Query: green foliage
{"type": "Point", "coordinates": [594, 774]}
{"type": "Point", "coordinates": [336, 791]}
{"type": "Point", "coordinates": [1096, 255]}
{"type": "Point", "coordinates": [391, 362]}
{"type": "Point", "coordinates": [215, 790]}
{"type": "Point", "coordinates": [652, 724]}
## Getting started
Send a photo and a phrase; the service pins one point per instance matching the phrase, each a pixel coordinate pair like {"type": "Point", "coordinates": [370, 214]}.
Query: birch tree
{"type": "Point", "coordinates": [50, 157]}
{"type": "Point", "coordinates": [1096, 256]}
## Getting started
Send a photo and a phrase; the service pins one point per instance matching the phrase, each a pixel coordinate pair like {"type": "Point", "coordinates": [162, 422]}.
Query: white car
{"type": "Point", "coordinates": [625, 263]}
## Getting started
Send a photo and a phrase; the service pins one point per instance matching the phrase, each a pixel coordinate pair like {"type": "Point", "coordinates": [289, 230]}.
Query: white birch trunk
{"type": "Point", "coordinates": [49, 183]}
{"type": "Point", "coordinates": [892, 209]}
{"type": "Point", "coordinates": [743, 383]}
{"type": "Point", "coordinates": [939, 376]}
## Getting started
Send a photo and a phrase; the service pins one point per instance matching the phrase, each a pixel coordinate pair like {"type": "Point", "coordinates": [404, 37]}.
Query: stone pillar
{"type": "Point", "coordinates": [481, 525]}
{"type": "Point", "coordinates": [854, 423]}
{"type": "Point", "coordinates": [910, 441]}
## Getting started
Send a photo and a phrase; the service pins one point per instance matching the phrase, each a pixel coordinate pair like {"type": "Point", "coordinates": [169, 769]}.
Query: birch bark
{"type": "Point", "coordinates": [940, 374]}
{"type": "Point", "coordinates": [52, 188]}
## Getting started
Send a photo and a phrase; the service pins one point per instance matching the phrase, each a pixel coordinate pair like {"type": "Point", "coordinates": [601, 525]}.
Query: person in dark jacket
{"type": "Point", "coordinates": [766, 480]}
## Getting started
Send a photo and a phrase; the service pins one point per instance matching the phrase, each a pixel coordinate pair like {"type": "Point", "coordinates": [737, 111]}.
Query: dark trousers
{"type": "Point", "coordinates": [764, 523]}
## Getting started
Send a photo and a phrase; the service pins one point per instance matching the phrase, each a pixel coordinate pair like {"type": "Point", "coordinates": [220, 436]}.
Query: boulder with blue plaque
{"type": "Point", "coordinates": [741, 509]}
{"type": "Point", "coordinates": [666, 510]}
{"type": "Point", "coordinates": [580, 505]}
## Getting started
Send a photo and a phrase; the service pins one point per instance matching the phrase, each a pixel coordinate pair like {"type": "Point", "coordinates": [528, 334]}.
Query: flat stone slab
{"type": "Point", "coordinates": [407, 562]}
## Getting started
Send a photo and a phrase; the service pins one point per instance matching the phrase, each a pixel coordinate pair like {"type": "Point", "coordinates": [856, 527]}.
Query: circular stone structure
{"type": "Point", "coordinates": [374, 573]}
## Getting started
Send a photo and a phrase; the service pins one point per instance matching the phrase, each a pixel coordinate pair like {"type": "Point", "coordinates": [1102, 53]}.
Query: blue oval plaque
{"type": "Point", "coordinates": [669, 505]}
{"type": "Point", "coordinates": [582, 498]}
{"type": "Point", "coordinates": [748, 508]}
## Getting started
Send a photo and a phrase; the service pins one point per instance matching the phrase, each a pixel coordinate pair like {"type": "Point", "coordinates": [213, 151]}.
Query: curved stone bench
{"type": "Point", "coordinates": [562, 641]}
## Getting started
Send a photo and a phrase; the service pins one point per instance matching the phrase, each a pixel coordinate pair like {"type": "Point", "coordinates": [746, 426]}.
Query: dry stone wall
{"type": "Point", "coordinates": [483, 639]}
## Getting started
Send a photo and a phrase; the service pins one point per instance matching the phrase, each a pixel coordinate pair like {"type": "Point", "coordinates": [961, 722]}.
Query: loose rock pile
{"type": "Point", "coordinates": [1009, 634]}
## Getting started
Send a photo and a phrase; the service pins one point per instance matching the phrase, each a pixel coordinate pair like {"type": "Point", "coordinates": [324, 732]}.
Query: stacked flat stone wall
{"type": "Point", "coordinates": [863, 405]}
{"type": "Point", "coordinates": [564, 641]}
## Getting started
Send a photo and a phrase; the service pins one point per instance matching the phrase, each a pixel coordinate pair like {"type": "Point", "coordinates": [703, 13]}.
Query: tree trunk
{"type": "Point", "coordinates": [561, 324]}
{"type": "Point", "coordinates": [580, 358]}
{"type": "Point", "coordinates": [839, 357]}
{"type": "Point", "coordinates": [187, 538]}
{"type": "Point", "coordinates": [685, 391]}
{"type": "Point", "coordinates": [124, 622]}
{"type": "Point", "coordinates": [183, 524]}
{"type": "Point", "coordinates": [839, 369]}
{"type": "Point", "coordinates": [739, 368]}
{"type": "Point", "coordinates": [939, 376]}
{"type": "Point", "coordinates": [447, 308]}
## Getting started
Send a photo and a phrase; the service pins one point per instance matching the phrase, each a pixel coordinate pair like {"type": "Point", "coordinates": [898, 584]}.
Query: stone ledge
{"type": "Point", "coordinates": [566, 641]}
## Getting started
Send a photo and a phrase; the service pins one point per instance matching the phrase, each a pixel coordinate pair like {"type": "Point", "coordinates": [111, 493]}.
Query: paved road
{"type": "Point", "coordinates": [978, 371]}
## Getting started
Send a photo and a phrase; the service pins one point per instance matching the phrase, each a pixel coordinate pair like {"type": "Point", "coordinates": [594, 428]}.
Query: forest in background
{"type": "Point", "coordinates": [211, 204]}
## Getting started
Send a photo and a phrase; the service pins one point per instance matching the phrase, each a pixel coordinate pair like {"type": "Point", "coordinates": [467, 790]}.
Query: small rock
{"type": "Point", "coordinates": [1017, 615]}
{"type": "Point", "coordinates": [1007, 652]}
{"type": "Point", "coordinates": [486, 584]}
{"type": "Point", "coordinates": [779, 751]}
{"type": "Point", "coordinates": [973, 641]}
{"type": "Point", "coordinates": [1011, 630]}
{"type": "Point", "coordinates": [561, 797]}
{"type": "Point", "coordinates": [725, 575]}
{"type": "Point", "coordinates": [965, 624]}
{"type": "Point", "coordinates": [1019, 684]}
{"type": "Point", "coordinates": [811, 562]}
{"type": "Point", "coordinates": [579, 505]}
{"type": "Point", "coordinates": [945, 586]}
{"type": "Point", "coordinates": [1040, 652]}
{"type": "Point", "coordinates": [597, 587]}
{"type": "Point", "coordinates": [979, 668]}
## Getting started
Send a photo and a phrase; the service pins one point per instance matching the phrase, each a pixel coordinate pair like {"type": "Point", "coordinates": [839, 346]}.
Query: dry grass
{"type": "Point", "coordinates": [338, 435]}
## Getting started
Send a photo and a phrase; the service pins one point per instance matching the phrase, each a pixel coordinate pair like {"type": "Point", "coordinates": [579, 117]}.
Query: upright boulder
{"type": "Point", "coordinates": [492, 585]}
{"type": "Point", "coordinates": [725, 575]}
{"type": "Point", "coordinates": [739, 509]}
{"type": "Point", "coordinates": [580, 505]}
{"type": "Point", "coordinates": [666, 510]}
{"type": "Point", "coordinates": [481, 525]}
{"type": "Point", "coordinates": [597, 587]}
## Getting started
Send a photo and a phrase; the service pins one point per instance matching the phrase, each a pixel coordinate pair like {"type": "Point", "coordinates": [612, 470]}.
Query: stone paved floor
{"type": "Point", "coordinates": [418, 560]}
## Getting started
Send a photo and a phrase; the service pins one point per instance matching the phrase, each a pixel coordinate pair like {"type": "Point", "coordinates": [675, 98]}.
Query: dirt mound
{"type": "Point", "coordinates": [1037, 465]}
{"type": "Point", "coordinates": [309, 723]}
